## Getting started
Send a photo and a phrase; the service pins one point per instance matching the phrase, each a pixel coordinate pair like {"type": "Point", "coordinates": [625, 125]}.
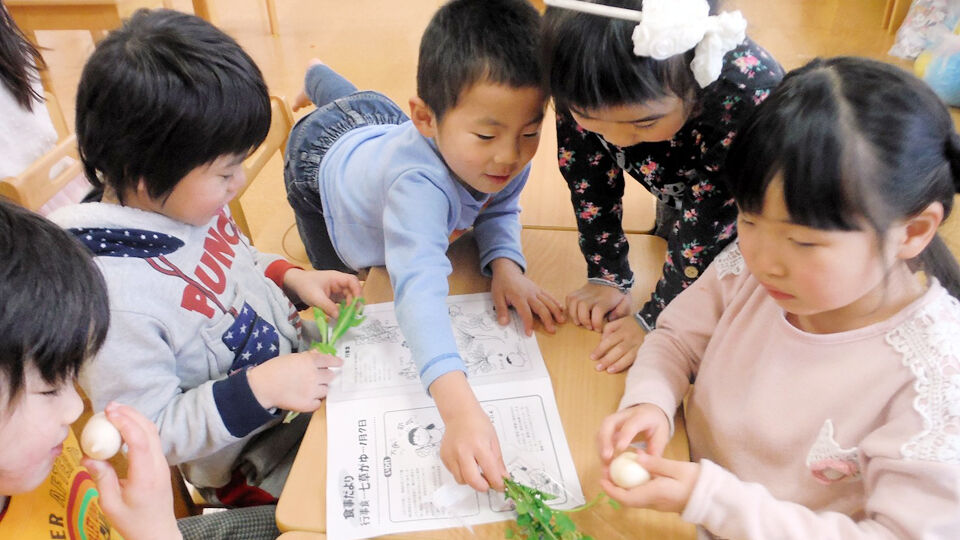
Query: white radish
{"type": "Point", "coordinates": [626, 472]}
{"type": "Point", "coordinates": [100, 439]}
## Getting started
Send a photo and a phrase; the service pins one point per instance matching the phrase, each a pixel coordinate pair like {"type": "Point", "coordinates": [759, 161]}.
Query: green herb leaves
{"type": "Point", "coordinates": [350, 315]}
{"type": "Point", "coordinates": [538, 521]}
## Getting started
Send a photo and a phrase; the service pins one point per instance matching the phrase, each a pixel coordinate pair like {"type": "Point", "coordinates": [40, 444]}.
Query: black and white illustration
{"type": "Point", "coordinates": [386, 460]}
{"type": "Point", "coordinates": [376, 355]}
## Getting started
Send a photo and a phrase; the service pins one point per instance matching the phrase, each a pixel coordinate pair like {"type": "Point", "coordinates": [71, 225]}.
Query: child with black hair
{"type": "Point", "coordinates": [54, 318]}
{"type": "Point", "coordinates": [370, 186]}
{"type": "Point", "coordinates": [204, 339]}
{"type": "Point", "coordinates": [661, 100]}
{"type": "Point", "coordinates": [823, 373]}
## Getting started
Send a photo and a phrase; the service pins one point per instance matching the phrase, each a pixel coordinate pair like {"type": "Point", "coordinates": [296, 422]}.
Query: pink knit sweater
{"type": "Point", "coordinates": [847, 435]}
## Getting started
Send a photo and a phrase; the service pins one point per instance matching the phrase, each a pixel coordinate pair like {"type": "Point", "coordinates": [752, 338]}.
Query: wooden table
{"type": "Point", "coordinates": [584, 396]}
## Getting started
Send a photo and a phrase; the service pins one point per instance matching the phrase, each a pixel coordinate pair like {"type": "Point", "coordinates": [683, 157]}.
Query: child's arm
{"type": "Point", "coordinates": [497, 230]}
{"type": "Point", "coordinates": [293, 382]}
{"type": "Point", "coordinates": [195, 416]}
{"type": "Point", "coordinates": [470, 449]}
{"type": "Point", "coordinates": [596, 186]}
{"type": "Point", "coordinates": [140, 507]}
{"type": "Point", "coordinates": [321, 288]}
{"type": "Point", "coordinates": [415, 229]}
{"type": "Point", "coordinates": [669, 358]}
{"type": "Point", "coordinates": [905, 499]}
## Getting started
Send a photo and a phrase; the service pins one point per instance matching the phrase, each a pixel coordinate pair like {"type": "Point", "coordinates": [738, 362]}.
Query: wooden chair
{"type": "Point", "coordinates": [281, 122]}
{"type": "Point", "coordinates": [48, 175]}
{"type": "Point", "coordinates": [202, 9]}
{"type": "Point", "coordinates": [56, 115]}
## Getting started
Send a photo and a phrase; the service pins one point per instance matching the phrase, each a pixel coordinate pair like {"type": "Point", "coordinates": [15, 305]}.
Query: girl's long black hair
{"type": "Point", "coordinates": [19, 62]}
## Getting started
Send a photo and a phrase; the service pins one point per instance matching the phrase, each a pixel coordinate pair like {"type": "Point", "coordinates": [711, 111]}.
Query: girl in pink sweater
{"type": "Point", "coordinates": [827, 395]}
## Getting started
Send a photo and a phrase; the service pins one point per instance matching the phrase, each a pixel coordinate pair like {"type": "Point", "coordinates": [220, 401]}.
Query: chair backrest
{"type": "Point", "coordinates": [45, 177]}
{"type": "Point", "coordinates": [56, 115]}
{"type": "Point", "coordinates": [281, 122]}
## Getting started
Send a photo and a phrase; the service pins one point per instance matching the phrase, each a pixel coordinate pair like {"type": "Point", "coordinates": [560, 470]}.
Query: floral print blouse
{"type": "Point", "coordinates": [685, 173]}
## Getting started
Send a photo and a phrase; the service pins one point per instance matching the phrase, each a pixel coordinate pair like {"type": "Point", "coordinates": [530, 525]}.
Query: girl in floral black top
{"type": "Point", "coordinates": [668, 123]}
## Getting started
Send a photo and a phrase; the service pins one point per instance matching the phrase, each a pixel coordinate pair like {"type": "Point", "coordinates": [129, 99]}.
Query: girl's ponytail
{"type": "Point", "coordinates": [938, 261]}
{"type": "Point", "coordinates": [952, 151]}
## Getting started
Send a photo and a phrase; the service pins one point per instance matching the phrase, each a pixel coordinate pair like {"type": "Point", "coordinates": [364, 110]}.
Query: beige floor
{"type": "Point", "coordinates": [374, 43]}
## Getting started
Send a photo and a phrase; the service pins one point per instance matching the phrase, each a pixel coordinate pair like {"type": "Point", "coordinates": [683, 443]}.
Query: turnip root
{"type": "Point", "coordinates": [100, 439]}
{"type": "Point", "coordinates": [626, 472]}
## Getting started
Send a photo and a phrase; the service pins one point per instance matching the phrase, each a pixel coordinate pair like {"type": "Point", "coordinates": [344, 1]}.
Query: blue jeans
{"type": "Point", "coordinates": [340, 108]}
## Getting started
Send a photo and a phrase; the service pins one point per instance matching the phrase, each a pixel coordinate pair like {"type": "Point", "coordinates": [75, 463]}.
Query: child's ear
{"type": "Point", "coordinates": [423, 117]}
{"type": "Point", "coordinates": [919, 230]}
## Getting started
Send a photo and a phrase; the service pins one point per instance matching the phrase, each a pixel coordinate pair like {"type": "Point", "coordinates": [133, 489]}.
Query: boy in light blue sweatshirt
{"type": "Point", "coordinates": [370, 186]}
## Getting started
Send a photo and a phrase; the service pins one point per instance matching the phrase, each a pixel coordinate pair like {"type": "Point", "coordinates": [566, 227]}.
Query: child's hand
{"type": "Point", "coordinates": [293, 382]}
{"type": "Point", "coordinates": [619, 429]}
{"type": "Point", "coordinates": [590, 305]}
{"type": "Point", "coordinates": [668, 490]}
{"type": "Point", "coordinates": [321, 288]}
{"type": "Point", "coordinates": [618, 345]}
{"type": "Point", "coordinates": [302, 100]}
{"type": "Point", "coordinates": [141, 506]}
{"type": "Point", "coordinates": [470, 449]}
{"type": "Point", "coordinates": [511, 288]}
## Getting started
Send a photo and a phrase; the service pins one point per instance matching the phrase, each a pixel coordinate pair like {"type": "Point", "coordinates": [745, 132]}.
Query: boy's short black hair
{"type": "Point", "coordinates": [468, 41]}
{"type": "Point", "coordinates": [55, 312]}
{"type": "Point", "coordinates": [164, 94]}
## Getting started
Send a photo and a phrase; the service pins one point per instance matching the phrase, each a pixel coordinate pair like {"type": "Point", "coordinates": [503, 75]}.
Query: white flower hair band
{"type": "Point", "coordinates": [669, 27]}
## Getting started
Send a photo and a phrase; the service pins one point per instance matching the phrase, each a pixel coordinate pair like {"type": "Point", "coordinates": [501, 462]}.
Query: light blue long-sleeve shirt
{"type": "Point", "coordinates": [388, 198]}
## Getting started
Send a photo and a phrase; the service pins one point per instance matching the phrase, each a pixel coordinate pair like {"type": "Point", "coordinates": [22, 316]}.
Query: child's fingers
{"type": "Point", "coordinates": [322, 361]}
{"type": "Point", "coordinates": [657, 442]}
{"type": "Point", "coordinates": [556, 309]}
{"type": "Point", "coordinates": [607, 342]}
{"type": "Point", "coordinates": [597, 316]}
{"type": "Point", "coordinates": [353, 285]}
{"type": "Point", "coordinates": [622, 359]}
{"type": "Point", "coordinates": [631, 427]}
{"type": "Point", "coordinates": [634, 498]}
{"type": "Point", "coordinates": [470, 470]}
{"type": "Point", "coordinates": [107, 484]}
{"type": "Point", "coordinates": [500, 306]}
{"type": "Point", "coordinates": [328, 306]}
{"type": "Point", "coordinates": [583, 313]}
{"type": "Point", "coordinates": [140, 455]}
{"type": "Point", "coordinates": [661, 466]}
{"type": "Point", "coordinates": [624, 308]}
{"type": "Point", "coordinates": [491, 464]}
{"type": "Point", "coordinates": [149, 429]}
{"type": "Point", "coordinates": [608, 427]}
{"type": "Point", "coordinates": [545, 315]}
{"type": "Point", "coordinates": [526, 316]}
{"type": "Point", "coordinates": [453, 466]}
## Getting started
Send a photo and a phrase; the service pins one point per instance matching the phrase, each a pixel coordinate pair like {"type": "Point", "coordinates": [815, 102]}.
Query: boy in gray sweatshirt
{"type": "Point", "coordinates": [204, 337]}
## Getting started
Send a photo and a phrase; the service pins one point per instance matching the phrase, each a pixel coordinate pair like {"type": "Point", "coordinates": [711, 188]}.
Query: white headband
{"type": "Point", "coordinates": [669, 27]}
